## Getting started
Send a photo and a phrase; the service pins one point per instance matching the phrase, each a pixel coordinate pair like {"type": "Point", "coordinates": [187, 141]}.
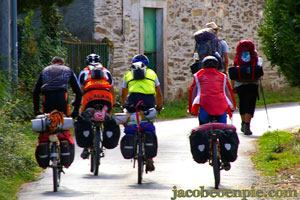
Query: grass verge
{"type": "Point", "coordinates": [277, 151]}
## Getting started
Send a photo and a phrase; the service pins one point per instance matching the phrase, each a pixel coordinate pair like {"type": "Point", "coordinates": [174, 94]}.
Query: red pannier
{"type": "Point", "coordinates": [42, 152]}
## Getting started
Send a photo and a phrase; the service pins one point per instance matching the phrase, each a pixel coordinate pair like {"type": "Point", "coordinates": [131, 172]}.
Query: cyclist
{"type": "Point", "coordinates": [211, 92]}
{"type": "Point", "coordinates": [53, 83]}
{"type": "Point", "coordinates": [97, 86]}
{"type": "Point", "coordinates": [141, 83]}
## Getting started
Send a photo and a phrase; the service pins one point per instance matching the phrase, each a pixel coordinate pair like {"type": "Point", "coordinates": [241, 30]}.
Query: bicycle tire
{"type": "Point", "coordinates": [92, 161]}
{"type": "Point", "coordinates": [216, 165]}
{"type": "Point", "coordinates": [97, 151]}
{"type": "Point", "coordinates": [56, 174]}
{"type": "Point", "coordinates": [140, 160]}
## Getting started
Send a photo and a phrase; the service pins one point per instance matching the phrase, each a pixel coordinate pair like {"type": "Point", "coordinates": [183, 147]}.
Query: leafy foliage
{"type": "Point", "coordinates": [280, 35]}
{"type": "Point", "coordinates": [27, 5]}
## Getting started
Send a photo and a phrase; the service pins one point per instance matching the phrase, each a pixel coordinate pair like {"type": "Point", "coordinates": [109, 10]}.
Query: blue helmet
{"type": "Point", "coordinates": [93, 58]}
{"type": "Point", "coordinates": [140, 58]}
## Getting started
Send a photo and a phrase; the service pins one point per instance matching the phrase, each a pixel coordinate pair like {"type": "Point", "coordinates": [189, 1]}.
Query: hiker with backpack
{"type": "Point", "coordinates": [210, 94]}
{"type": "Point", "coordinates": [245, 75]}
{"type": "Point", "coordinates": [208, 44]}
{"type": "Point", "coordinates": [222, 45]}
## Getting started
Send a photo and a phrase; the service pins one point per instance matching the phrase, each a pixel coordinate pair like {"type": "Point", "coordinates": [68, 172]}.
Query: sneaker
{"type": "Point", "coordinates": [149, 166]}
{"type": "Point", "coordinates": [85, 154]}
{"type": "Point", "coordinates": [226, 166]}
{"type": "Point", "coordinates": [247, 129]}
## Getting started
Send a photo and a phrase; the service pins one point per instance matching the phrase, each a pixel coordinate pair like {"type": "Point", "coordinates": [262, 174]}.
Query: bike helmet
{"type": "Point", "coordinates": [93, 58]}
{"type": "Point", "coordinates": [138, 70]}
{"type": "Point", "coordinates": [140, 58]}
{"type": "Point", "coordinates": [210, 62]}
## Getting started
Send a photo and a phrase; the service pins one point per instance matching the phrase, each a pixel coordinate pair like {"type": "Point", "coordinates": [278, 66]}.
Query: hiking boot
{"type": "Point", "coordinates": [149, 166]}
{"type": "Point", "coordinates": [226, 166]}
{"type": "Point", "coordinates": [85, 154]}
{"type": "Point", "coordinates": [243, 127]}
{"type": "Point", "coordinates": [247, 129]}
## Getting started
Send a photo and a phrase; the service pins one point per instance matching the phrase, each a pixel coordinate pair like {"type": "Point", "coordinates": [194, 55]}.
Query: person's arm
{"type": "Point", "coordinates": [112, 91]}
{"type": "Point", "coordinates": [159, 98]}
{"type": "Point", "coordinates": [36, 94]}
{"type": "Point", "coordinates": [124, 95]}
{"type": "Point", "coordinates": [76, 89]}
{"type": "Point", "coordinates": [226, 62]}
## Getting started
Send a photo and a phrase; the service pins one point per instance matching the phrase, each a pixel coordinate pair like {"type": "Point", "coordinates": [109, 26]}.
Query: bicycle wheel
{"type": "Point", "coordinates": [140, 160]}
{"type": "Point", "coordinates": [92, 161]}
{"type": "Point", "coordinates": [96, 152]}
{"type": "Point", "coordinates": [56, 171]}
{"type": "Point", "coordinates": [216, 165]}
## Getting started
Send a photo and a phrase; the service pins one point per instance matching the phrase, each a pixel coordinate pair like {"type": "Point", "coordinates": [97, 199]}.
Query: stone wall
{"type": "Point", "coordinates": [118, 20]}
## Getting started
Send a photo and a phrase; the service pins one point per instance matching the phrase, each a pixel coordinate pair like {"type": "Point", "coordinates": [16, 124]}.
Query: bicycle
{"type": "Point", "coordinates": [141, 115]}
{"type": "Point", "coordinates": [97, 115]}
{"type": "Point", "coordinates": [215, 131]}
{"type": "Point", "coordinates": [42, 124]}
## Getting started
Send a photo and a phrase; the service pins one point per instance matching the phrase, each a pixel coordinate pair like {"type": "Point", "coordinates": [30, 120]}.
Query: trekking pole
{"type": "Point", "coordinates": [262, 92]}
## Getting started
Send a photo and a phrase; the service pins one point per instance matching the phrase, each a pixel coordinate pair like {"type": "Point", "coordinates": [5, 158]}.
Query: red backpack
{"type": "Point", "coordinates": [246, 57]}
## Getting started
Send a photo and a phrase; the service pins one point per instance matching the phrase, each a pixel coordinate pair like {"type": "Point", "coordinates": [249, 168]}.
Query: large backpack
{"type": "Point", "coordinates": [207, 44]}
{"type": "Point", "coordinates": [245, 63]}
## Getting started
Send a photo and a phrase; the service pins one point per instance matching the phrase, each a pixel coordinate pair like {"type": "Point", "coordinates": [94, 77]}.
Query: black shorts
{"type": "Point", "coordinates": [56, 101]}
{"type": "Point", "coordinates": [247, 98]}
{"type": "Point", "coordinates": [134, 98]}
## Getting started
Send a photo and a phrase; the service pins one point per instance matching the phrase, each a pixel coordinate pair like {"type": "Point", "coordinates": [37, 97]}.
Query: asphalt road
{"type": "Point", "coordinates": [175, 168]}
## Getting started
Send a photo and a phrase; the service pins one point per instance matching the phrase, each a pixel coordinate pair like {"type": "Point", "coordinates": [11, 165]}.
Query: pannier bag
{"type": "Point", "coordinates": [245, 73]}
{"type": "Point", "coordinates": [83, 131]}
{"type": "Point", "coordinates": [66, 146]}
{"type": "Point", "coordinates": [67, 153]}
{"type": "Point", "coordinates": [229, 143]}
{"type": "Point", "coordinates": [150, 140]}
{"type": "Point", "coordinates": [42, 154]}
{"type": "Point", "coordinates": [199, 146]}
{"type": "Point", "coordinates": [111, 133]}
{"type": "Point", "coordinates": [128, 146]}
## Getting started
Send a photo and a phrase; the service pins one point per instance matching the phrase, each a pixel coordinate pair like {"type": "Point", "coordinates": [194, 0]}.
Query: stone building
{"type": "Point", "coordinates": [163, 30]}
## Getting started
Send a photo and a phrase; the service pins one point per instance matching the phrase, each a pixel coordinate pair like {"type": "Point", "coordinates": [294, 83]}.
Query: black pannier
{"type": "Point", "coordinates": [83, 131]}
{"type": "Point", "coordinates": [128, 146]}
{"type": "Point", "coordinates": [150, 143]}
{"type": "Point", "coordinates": [111, 133]}
{"type": "Point", "coordinates": [42, 154]}
{"type": "Point", "coordinates": [199, 146]}
{"type": "Point", "coordinates": [67, 153]}
{"type": "Point", "coordinates": [229, 143]}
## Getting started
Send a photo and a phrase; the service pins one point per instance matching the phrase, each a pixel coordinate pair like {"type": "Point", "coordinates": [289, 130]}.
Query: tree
{"type": "Point", "coordinates": [26, 5]}
{"type": "Point", "coordinates": [280, 37]}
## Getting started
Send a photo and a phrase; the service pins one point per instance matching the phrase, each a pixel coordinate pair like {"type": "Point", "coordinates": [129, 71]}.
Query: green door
{"type": "Point", "coordinates": [150, 36]}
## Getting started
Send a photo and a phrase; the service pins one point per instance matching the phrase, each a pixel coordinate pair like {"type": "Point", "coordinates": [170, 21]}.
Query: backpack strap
{"type": "Point", "coordinates": [239, 74]}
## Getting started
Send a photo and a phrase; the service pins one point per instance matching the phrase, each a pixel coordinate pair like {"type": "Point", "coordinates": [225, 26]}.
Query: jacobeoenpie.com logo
{"type": "Point", "coordinates": [201, 192]}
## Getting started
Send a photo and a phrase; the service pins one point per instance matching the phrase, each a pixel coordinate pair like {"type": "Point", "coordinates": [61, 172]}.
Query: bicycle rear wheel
{"type": "Point", "coordinates": [96, 151]}
{"type": "Point", "coordinates": [56, 171]}
{"type": "Point", "coordinates": [140, 160]}
{"type": "Point", "coordinates": [216, 164]}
